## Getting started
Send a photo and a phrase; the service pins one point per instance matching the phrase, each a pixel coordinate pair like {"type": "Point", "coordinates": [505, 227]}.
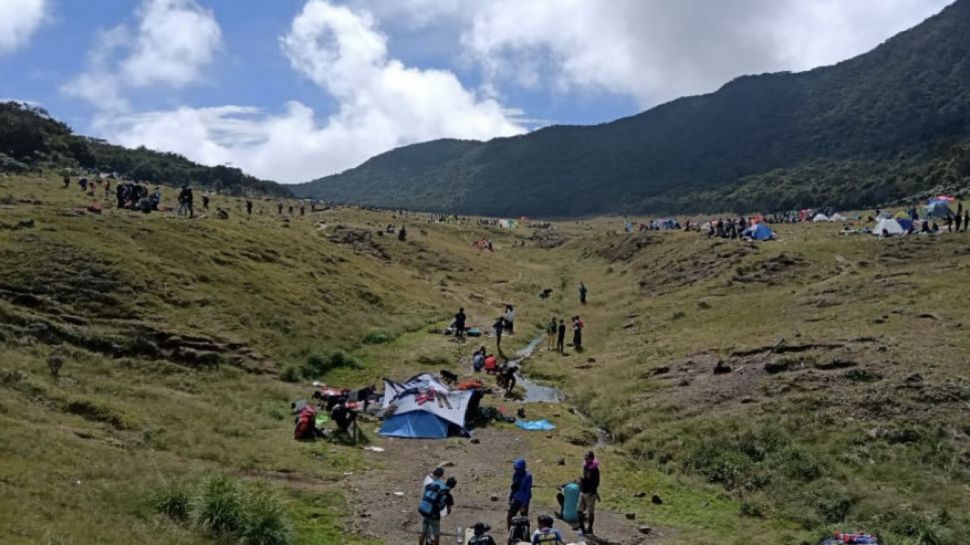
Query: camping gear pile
{"type": "Point", "coordinates": [424, 407]}
{"type": "Point", "coordinates": [855, 538]}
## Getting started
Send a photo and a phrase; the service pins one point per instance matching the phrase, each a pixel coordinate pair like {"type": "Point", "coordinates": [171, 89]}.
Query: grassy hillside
{"type": "Point", "coordinates": [846, 403]}
{"type": "Point", "coordinates": [895, 106]}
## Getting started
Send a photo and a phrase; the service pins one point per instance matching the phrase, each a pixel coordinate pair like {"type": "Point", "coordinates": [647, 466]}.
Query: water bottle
{"type": "Point", "coordinates": [460, 540]}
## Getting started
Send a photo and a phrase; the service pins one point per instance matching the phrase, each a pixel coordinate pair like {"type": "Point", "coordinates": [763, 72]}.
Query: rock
{"type": "Point", "coordinates": [644, 529]}
{"type": "Point", "coordinates": [631, 516]}
{"type": "Point", "coordinates": [721, 368]}
{"type": "Point", "coordinates": [656, 500]}
{"type": "Point", "coordinates": [747, 399]}
{"type": "Point", "coordinates": [561, 462]}
{"type": "Point", "coordinates": [703, 305]}
{"type": "Point", "coordinates": [475, 440]}
{"type": "Point", "coordinates": [640, 494]}
{"type": "Point", "coordinates": [25, 224]}
{"type": "Point", "coordinates": [590, 360]}
{"type": "Point", "coordinates": [493, 498]}
{"type": "Point", "coordinates": [662, 370]}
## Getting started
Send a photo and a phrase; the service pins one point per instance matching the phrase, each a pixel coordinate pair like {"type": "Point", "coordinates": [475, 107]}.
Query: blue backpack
{"type": "Point", "coordinates": [432, 501]}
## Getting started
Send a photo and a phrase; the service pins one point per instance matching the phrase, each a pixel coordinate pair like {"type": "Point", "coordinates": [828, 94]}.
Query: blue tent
{"type": "Point", "coordinates": [759, 231]}
{"type": "Point", "coordinates": [415, 424]}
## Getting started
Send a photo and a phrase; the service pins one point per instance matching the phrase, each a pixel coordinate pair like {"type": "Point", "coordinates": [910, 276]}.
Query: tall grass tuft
{"type": "Point", "coordinates": [218, 509]}
{"type": "Point", "coordinates": [266, 521]}
{"type": "Point", "coordinates": [173, 501]}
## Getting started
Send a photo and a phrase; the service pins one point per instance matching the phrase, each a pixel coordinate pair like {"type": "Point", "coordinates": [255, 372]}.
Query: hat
{"type": "Point", "coordinates": [438, 471]}
{"type": "Point", "coordinates": [480, 528]}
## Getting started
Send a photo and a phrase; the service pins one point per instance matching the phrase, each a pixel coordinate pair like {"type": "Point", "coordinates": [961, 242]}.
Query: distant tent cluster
{"type": "Point", "coordinates": [425, 408]}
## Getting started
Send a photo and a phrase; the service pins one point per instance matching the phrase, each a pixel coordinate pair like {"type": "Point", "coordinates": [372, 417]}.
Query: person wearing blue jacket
{"type": "Point", "coordinates": [520, 494]}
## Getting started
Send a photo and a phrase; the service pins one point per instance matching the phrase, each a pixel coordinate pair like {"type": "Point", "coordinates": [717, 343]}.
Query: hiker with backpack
{"type": "Point", "coordinates": [520, 493]}
{"type": "Point", "coordinates": [561, 337]}
{"type": "Point", "coordinates": [435, 498]}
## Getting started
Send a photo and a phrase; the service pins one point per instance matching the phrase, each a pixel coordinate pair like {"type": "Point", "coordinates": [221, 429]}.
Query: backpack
{"type": "Point", "coordinates": [520, 530]}
{"type": "Point", "coordinates": [432, 501]}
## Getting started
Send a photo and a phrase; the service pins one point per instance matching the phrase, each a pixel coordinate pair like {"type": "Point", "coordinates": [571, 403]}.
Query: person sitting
{"type": "Point", "coordinates": [480, 535]}
{"type": "Point", "coordinates": [478, 359]}
{"type": "Point", "coordinates": [546, 533]}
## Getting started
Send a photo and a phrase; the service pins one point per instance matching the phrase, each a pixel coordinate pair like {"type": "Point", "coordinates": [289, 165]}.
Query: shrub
{"type": "Point", "coordinates": [219, 507]}
{"type": "Point", "coordinates": [54, 364]}
{"type": "Point", "coordinates": [266, 521]}
{"type": "Point", "coordinates": [752, 509]}
{"type": "Point", "coordinates": [290, 373]}
{"type": "Point", "coordinates": [378, 336]}
{"type": "Point", "coordinates": [173, 501]}
{"type": "Point", "coordinates": [317, 365]}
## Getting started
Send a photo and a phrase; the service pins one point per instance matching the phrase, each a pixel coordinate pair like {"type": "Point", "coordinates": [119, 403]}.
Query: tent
{"type": "Point", "coordinates": [759, 231]}
{"type": "Point", "coordinates": [424, 408]}
{"type": "Point", "coordinates": [837, 217]}
{"type": "Point", "coordinates": [821, 217]}
{"type": "Point", "coordinates": [938, 208]}
{"type": "Point", "coordinates": [889, 226]}
{"type": "Point", "coordinates": [666, 224]}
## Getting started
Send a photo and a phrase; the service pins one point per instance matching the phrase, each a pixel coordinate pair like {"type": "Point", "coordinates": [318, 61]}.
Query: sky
{"type": "Point", "coordinates": [292, 90]}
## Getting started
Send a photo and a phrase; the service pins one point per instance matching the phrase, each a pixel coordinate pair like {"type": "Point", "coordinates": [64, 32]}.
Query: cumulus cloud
{"type": "Point", "coordinates": [381, 104]}
{"type": "Point", "coordinates": [19, 20]}
{"type": "Point", "coordinates": [174, 42]}
{"type": "Point", "coordinates": [656, 50]}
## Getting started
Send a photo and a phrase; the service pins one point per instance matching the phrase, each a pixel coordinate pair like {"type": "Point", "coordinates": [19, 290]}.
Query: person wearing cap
{"type": "Point", "coordinates": [436, 475]}
{"type": "Point", "coordinates": [589, 492]}
{"type": "Point", "coordinates": [546, 534]}
{"type": "Point", "coordinates": [480, 535]}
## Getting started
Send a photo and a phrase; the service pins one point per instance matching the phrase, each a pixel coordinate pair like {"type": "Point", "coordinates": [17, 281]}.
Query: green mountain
{"type": "Point", "coordinates": [881, 126]}
{"type": "Point", "coordinates": [30, 138]}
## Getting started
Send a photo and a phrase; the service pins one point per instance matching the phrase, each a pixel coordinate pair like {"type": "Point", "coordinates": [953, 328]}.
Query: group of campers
{"type": "Point", "coordinates": [556, 334]}
{"type": "Point", "coordinates": [130, 195]}
{"type": "Point", "coordinates": [577, 506]}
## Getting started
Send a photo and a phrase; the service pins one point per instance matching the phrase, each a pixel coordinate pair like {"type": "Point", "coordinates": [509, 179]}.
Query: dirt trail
{"type": "Point", "coordinates": [483, 471]}
{"type": "Point", "coordinates": [384, 501]}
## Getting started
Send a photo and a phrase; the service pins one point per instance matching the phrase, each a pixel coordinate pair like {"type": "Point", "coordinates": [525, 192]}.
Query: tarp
{"type": "Point", "coordinates": [821, 217]}
{"type": "Point", "coordinates": [535, 425]}
{"type": "Point", "coordinates": [759, 231]}
{"type": "Point", "coordinates": [423, 407]}
{"type": "Point", "coordinates": [888, 226]}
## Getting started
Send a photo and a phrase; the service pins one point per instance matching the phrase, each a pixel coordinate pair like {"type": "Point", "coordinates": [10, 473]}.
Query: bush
{"type": "Point", "coordinates": [378, 336]}
{"type": "Point", "coordinates": [219, 507]}
{"type": "Point", "coordinates": [266, 521]}
{"type": "Point", "coordinates": [290, 373]}
{"type": "Point", "coordinates": [317, 365]}
{"type": "Point", "coordinates": [752, 509]}
{"type": "Point", "coordinates": [173, 501]}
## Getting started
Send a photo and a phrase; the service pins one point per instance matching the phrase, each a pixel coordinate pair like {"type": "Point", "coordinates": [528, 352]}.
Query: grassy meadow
{"type": "Point", "coordinates": [844, 399]}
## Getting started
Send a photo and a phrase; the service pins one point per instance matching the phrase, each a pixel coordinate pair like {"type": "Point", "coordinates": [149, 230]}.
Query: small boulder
{"type": "Point", "coordinates": [631, 516]}
{"type": "Point", "coordinates": [640, 494]}
{"type": "Point", "coordinates": [721, 368]}
{"type": "Point", "coordinates": [656, 500]}
{"type": "Point", "coordinates": [493, 497]}
{"type": "Point", "coordinates": [475, 440]}
{"type": "Point", "coordinates": [644, 529]}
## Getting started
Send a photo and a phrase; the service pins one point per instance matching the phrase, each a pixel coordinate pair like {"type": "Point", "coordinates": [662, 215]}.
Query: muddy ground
{"type": "Point", "coordinates": [384, 501]}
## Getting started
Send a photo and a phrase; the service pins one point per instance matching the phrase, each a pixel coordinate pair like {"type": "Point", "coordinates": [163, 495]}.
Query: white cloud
{"type": "Point", "coordinates": [656, 50]}
{"type": "Point", "coordinates": [19, 20]}
{"type": "Point", "coordinates": [174, 42]}
{"type": "Point", "coordinates": [381, 104]}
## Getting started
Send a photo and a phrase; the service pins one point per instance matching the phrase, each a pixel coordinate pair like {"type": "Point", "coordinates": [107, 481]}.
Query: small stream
{"type": "Point", "coordinates": [541, 393]}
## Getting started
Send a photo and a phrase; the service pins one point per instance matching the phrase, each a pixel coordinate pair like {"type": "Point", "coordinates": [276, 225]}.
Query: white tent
{"type": "Point", "coordinates": [888, 226]}
{"type": "Point", "coordinates": [820, 217]}
{"type": "Point", "coordinates": [423, 407]}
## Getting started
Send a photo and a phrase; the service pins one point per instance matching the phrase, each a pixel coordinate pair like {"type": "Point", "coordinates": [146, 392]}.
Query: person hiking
{"type": "Point", "coordinates": [561, 337]}
{"type": "Point", "coordinates": [279, 208]}
{"type": "Point", "coordinates": [551, 334]}
{"type": "Point", "coordinates": [434, 499]}
{"type": "Point", "coordinates": [480, 535]}
{"type": "Point", "coordinates": [402, 235]}
{"type": "Point", "coordinates": [589, 486]}
{"type": "Point", "coordinates": [499, 327]}
{"type": "Point", "coordinates": [436, 475]}
{"type": "Point", "coordinates": [249, 207]}
{"type": "Point", "coordinates": [205, 202]}
{"type": "Point", "coordinates": [67, 181]}
{"type": "Point", "coordinates": [302, 209]}
{"type": "Point", "coordinates": [577, 333]}
{"type": "Point", "coordinates": [520, 493]}
{"type": "Point", "coordinates": [582, 293]}
{"type": "Point", "coordinates": [546, 534]}
{"type": "Point", "coordinates": [460, 324]}
{"type": "Point", "coordinates": [510, 319]}
{"type": "Point", "coordinates": [107, 188]}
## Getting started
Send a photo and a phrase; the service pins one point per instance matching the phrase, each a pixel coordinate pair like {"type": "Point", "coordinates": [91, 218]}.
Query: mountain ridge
{"type": "Point", "coordinates": [894, 105]}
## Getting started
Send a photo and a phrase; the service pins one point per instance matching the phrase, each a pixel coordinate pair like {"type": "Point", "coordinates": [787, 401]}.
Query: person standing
{"type": "Point", "coordinates": [966, 220]}
{"type": "Point", "coordinates": [551, 334]}
{"type": "Point", "coordinates": [582, 293]}
{"type": "Point", "coordinates": [958, 219]}
{"type": "Point", "coordinates": [249, 207]}
{"type": "Point", "coordinates": [510, 319]}
{"type": "Point", "coordinates": [499, 327]}
{"type": "Point", "coordinates": [434, 498]}
{"type": "Point", "coordinates": [577, 333]}
{"type": "Point", "coordinates": [279, 208]}
{"type": "Point", "coordinates": [520, 493]}
{"type": "Point", "coordinates": [460, 324]}
{"type": "Point", "coordinates": [589, 492]}
{"type": "Point", "coordinates": [561, 337]}
{"type": "Point", "coordinates": [205, 201]}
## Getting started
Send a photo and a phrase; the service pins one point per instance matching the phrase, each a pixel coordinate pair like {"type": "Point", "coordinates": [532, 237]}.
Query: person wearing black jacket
{"type": "Point", "coordinates": [589, 486]}
{"type": "Point", "coordinates": [561, 337]}
{"type": "Point", "coordinates": [459, 323]}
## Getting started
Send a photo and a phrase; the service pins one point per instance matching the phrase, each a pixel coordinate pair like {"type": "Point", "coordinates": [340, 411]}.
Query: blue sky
{"type": "Point", "coordinates": [295, 89]}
